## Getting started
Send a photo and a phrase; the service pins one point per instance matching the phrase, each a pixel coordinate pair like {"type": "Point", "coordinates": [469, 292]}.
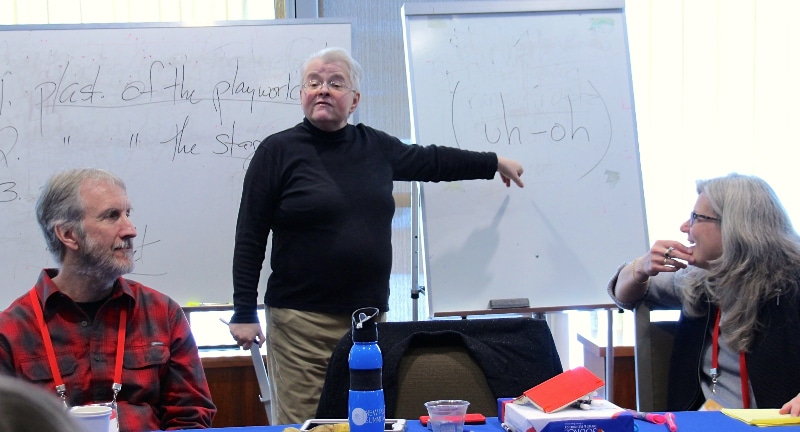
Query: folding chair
{"type": "Point", "coordinates": [263, 379]}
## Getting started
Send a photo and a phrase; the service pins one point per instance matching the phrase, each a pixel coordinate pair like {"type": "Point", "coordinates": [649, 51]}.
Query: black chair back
{"type": "Point", "coordinates": [513, 354]}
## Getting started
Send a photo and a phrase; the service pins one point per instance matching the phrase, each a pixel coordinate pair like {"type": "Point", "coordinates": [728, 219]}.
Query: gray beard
{"type": "Point", "coordinates": [100, 265]}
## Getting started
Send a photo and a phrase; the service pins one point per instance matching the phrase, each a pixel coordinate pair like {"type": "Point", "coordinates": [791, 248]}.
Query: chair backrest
{"type": "Point", "coordinates": [441, 372]}
{"type": "Point", "coordinates": [654, 342]}
{"type": "Point", "coordinates": [504, 355]}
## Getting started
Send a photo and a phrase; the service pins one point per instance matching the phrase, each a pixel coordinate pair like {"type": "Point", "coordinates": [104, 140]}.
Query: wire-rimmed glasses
{"type": "Point", "coordinates": [333, 86]}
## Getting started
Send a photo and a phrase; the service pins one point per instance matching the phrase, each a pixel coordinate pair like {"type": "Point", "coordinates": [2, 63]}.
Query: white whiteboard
{"type": "Point", "coordinates": [548, 84]}
{"type": "Point", "coordinates": [175, 111]}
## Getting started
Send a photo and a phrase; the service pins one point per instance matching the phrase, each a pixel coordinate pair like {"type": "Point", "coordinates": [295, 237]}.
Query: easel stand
{"type": "Point", "coordinates": [417, 248]}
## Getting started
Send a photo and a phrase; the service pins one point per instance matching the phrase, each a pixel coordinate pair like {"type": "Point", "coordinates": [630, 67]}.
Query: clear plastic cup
{"type": "Point", "coordinates": [446, 415]}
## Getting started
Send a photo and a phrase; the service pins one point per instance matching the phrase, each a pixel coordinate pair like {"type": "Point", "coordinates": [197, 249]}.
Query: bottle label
{"type": "Point", "coordinates": [367, 411]}
{"type": "Point", "coordinates": [361, 417]}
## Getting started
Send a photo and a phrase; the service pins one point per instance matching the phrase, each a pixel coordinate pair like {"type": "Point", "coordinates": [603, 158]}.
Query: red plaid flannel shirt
{"type": "Point", "coordinates": [163, 382]}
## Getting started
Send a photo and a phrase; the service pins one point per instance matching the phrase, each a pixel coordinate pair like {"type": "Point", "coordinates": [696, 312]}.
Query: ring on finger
{"type": "Point", "coordinates": [668, 252]}
{"type": "Point", "coordinates": [666, 260]}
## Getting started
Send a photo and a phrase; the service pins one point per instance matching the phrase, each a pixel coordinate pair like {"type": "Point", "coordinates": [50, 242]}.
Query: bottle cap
{"type": "Point", "coordinates": [365, 325]}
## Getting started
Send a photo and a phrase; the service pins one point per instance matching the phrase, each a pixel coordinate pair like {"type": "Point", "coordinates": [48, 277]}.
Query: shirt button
{"type": "Point", "coordinates": [96, 357]}
{"type": "Point", "coordinates": [84, 323]}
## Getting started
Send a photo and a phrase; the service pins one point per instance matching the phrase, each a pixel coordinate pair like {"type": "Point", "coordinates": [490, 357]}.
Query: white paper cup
{"type": "Point", "coordinates": [92, 418]}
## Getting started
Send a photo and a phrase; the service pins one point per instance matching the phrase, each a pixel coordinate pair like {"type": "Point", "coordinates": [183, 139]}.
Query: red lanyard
{"type": "Point", "coordinates": [745, 381]}
{"type": "Point", "coordinates": [51, 355]}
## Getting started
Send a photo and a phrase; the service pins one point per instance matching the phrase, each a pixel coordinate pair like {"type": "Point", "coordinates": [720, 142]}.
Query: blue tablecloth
{"type": "Point", "coordinates": [691, 421]}
{"type": "Point", "coordinates": [697, 421]}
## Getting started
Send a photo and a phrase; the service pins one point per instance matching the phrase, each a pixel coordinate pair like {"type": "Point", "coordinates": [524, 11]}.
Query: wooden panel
{"type": "Point", "coordinates": [234, 389]}
{"type": "Point", "coordinates": [594, 359]}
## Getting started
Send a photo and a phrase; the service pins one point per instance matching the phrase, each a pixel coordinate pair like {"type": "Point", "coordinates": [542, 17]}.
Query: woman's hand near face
{"type": "Point", "coordinates": [664, 256]}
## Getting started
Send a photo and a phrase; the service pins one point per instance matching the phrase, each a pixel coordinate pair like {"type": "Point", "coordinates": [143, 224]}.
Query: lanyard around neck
{"type": "Point", "coordinates": [51, 355]}
{"type": "Point", "coordinates": [745, 381]}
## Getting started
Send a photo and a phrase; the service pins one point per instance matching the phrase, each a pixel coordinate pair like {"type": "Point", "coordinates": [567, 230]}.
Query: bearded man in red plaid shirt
{"type": "Point", "coordinates": [91, 336]}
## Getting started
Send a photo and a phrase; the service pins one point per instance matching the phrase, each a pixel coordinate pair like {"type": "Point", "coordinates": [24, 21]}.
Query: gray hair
{"type": "Point", "coordinates": [334, 54]}
{"type": "Point", "coordinates": [60, 204]}
{"type": "Point", "coordinates": [760, 258]}
{"type": "Point", "coordinates": [25, 407]}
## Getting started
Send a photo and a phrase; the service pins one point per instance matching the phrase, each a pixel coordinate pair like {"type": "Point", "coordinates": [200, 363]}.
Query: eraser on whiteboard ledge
{"type": "Point", "coordinates": [509, 303]}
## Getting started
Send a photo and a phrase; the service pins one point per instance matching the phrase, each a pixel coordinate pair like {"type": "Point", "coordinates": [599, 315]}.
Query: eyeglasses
{"type": "Point", "coordinates": [333, 86]}
{"type": "Point", "coordinates": [696, 216]}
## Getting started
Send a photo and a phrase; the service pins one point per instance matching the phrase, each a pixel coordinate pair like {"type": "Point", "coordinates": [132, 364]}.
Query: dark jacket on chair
{"type": "Point", "coordinates": [515, 354]}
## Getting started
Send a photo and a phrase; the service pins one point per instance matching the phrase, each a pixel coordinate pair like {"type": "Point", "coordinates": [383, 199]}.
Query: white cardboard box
{"type": "Point", "coordinates": [601, 416]}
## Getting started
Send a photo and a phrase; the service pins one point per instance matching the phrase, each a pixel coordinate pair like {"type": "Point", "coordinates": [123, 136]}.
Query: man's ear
{"type": "Point", "coordinates": [68, 237]}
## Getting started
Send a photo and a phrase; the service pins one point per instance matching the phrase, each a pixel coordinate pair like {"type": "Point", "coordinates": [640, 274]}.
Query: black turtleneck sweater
{"type": "Point", "coordinates": [327, 198]}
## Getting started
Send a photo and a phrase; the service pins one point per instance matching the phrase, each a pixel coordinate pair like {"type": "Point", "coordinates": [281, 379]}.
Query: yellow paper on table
{"type": "Point", "coordinates": [761, 416]}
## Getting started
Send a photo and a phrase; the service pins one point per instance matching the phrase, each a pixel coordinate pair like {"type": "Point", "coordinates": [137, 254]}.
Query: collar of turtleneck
{"type": "Point", "coordinates": [338, 134]}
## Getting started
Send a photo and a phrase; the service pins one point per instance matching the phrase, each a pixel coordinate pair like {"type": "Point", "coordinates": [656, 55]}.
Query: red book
{"type": "Point", "coordinates": [564, 389]}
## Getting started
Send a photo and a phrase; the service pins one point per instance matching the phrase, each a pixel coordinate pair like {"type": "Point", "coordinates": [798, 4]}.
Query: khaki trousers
{"type": "Point", "coordinates": [299, 345]}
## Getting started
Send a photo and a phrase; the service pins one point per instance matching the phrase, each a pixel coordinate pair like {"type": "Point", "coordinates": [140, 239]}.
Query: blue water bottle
{"type": "Point", "coordinates": [366, 407]}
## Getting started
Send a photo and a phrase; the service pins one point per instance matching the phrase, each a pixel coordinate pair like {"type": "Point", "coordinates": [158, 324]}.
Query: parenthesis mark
{"type": "Point", "coordinates": [66, 140]}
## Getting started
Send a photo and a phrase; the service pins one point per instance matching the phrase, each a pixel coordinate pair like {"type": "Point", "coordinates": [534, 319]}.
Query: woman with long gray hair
{"type": "Point", "coordinates": [737, 285]}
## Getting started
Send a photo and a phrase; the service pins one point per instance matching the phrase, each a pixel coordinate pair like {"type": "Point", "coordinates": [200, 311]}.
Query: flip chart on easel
{"type": "Point", "coordinates": [549, 84]}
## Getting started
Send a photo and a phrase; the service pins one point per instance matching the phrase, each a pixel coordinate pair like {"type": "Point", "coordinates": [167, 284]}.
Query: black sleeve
{"type": "Point", "coordinates": [252, 230]}
{"type": "Point", "coordinates": [432, 163]}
